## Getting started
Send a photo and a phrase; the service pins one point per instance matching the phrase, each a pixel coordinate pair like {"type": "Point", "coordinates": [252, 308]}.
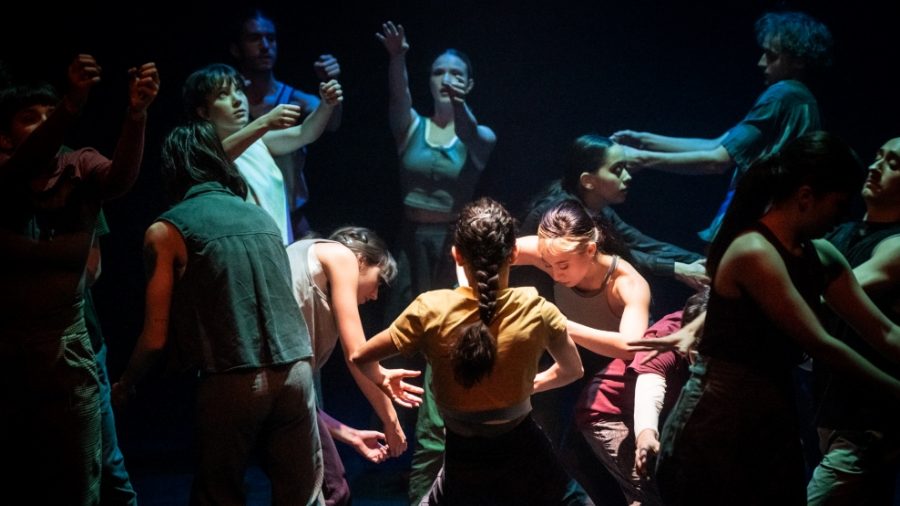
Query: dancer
{"type": "Point", "coordinates": [484, 344]}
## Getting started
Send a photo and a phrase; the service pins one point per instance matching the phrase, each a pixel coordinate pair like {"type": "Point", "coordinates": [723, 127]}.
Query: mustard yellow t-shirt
{"type": "Point", "coordinates": [524, 324]}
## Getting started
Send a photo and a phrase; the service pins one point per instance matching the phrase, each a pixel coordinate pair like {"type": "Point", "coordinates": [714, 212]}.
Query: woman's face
{"type": "Point", "coordinates": [610, 181]}
{"type": "Point", "coordinates": [369, 281]}
{"type": "Point", "coordinates": [227, 109]}
{"type": "Point", "coordinates": [567, 268]}
{"type": "Point", "coordinates": [446, 69]}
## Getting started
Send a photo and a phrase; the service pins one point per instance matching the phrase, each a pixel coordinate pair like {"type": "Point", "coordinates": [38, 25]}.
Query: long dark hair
{"type": "Point", "coordinates": [367, 245]}
{"type": "Point", "coordinates": [193, 154]}
{"type": "Point", "coordinates": [820, 160]}
{"type": "Point", "coordinates": [485, 236]}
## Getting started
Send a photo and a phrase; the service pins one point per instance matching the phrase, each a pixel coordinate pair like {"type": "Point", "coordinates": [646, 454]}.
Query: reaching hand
{"type": "Point", "coordinates": [456, 89]}
{"type": "Point", "coordinates": [645, 452]}
{"type": "Point", "coordinates": [679, 341]}
{"type": "Point", "coordinates": [368, 444]}
{"type": "Point", "coordinates": [396, 439]}
{"type": "Point", "coordinates": [282, 116]}
{"type": "Point", "coordinates": [327, 68]}
{"type": "Point", "coordinates": [401, 392]}
{"type": "Point", "coordinates": [629, 138]}
{"type": "Point", "coordinates": [394, 38]}
{"type": "Point", "coordinates": [693, 274]}
{"type": "Point", "coordinates": [331, 93]}
{"type": "Point", "coordinates": [83, 74]}
{"type": "Point", "coordinates": [143, 88]}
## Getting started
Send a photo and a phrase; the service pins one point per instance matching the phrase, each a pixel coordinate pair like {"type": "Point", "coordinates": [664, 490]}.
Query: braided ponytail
{"type": "Point", "coordinates": [485, 236]}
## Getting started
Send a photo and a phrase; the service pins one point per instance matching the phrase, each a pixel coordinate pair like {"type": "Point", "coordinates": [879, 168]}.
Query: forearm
{"type": "Point", "coordinates": [649, 394]}
{"type": "Point", "coordinates": [126, 161]}
{"type": "Point", "coordinates": [144, 356]}
{"type": "Point", "coordinates": [601, 342]}
{"type": "Point", "coordinates": [338, 430]}
{"type": "Point", "coordinates": [688, 162]}
{"type": "Point", "coordinates": [334, 122]}
{"type": "Point", "coordinates": [379, 401]}
{"type": "Point", "coordinates": [554, 377]}
{"type": "Point", "coordinates": [399, 98]}
{"type": "Point", "coordinates": [654, 142]}
{"type": "Point", "coordinates": [314, 125]}
{"type": "Point", "coordinates": [238, 142]}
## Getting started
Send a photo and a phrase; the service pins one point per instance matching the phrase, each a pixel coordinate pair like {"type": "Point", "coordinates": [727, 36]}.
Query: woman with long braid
{"type": "Point", "coordinates": [483, 343]}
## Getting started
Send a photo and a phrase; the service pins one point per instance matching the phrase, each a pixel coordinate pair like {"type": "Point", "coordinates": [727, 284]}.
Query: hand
{"type": "Point", "coordinates": [282, 116]}
{"type": "Point", "coordinates": [83, 74]}
{"type": "Point", "coordinates": [368, 444]}
{"type": "Point", "coordinates": [629, 138]}
{"type": "Point", "coordinates": [396, 439]}
{"type": "Point", "coordinates": [143, 88]}
{"type": "Point", "coordinates": [456, 89]}
{"type": "Point", "coordinates": [331, 93]}
{"type": "Point", "coordinates": [646, 452]}
{"type": "Point", "coordinates": [693, 274]}
{"type": "Point", "coordinates": [394, 38]}
{"type": "Point", "coordinates": [327, 68]}
{"type": "Point", "coordinates": [679, 341]}
{"type": "Point", "coordinates": [401, 392]}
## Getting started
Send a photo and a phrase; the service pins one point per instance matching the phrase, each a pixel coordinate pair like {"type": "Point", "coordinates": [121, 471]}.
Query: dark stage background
{"type": "Point", "coordinates": [545, 73]}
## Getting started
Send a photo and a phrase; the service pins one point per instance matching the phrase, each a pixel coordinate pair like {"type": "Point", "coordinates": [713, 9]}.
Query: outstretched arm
{"type": "Point", "coordinates": [164, 253]}
{"type": "Point", "coordinates": [850, 302]}
{"type": "Point", "coordinates": [654, 142]}
{"type": "Point", "coordinates": [291, 139]}
{"type": "Point", "coordinates": [328, 69]}
{"type": "Point", "coordinates": [753, 265]}
{"type": "Point", "coordinates": [400, 110]}
{"type": "Point", "coordinates": [35, 154]}
{"type": "Point", "coordinates": [704, 162]}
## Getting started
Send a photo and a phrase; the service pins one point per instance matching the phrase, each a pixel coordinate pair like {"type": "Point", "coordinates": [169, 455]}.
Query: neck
{"type": "Point", "coordinates": [594, 203]}
{"type": "Point", "coordinates": [879, 214]}
{"type": "Point", "coordinates": [443, 114]}
{"type": "Point", "coordinates": [783, 225]}
{"type": "Point", "coordinates": [593, 280]}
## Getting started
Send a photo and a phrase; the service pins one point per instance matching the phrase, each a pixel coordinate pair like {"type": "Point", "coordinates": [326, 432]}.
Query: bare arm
{"type": "Point", "coordinates": [654, 142]}
{"type": "Point", "coordinates": [565, 369]}
{"type": "Point", "coordinates": [529, 254]}
{"type": "Point", "coordinates": [327, 68]}
{"type": "Point", "coordinates": [164, 251]}
{"type": "Point", "coordinates": [847, 298]}
{"type": "Point", "coordinates": [342, 270]}
{"type": "Point", "coordinates": [705, 162]}
{"type": "Point", "coordinates": [881, 272]}
{"type": "Point", "coordinates": [390, 381]}
{"type": "Point", "coordinates": [479, 139]}
{"type": "Point", "coordinates": [400, 111]}
{"type": "Point", "coordinates": [631, 290]}
{"type": "Point", "coordinates": [753, 265]}
{"type": "Point", "coordinates": [126, 161]}
{"type": "Point", "coordinates": [366, 442]}
{"type": "Point", "coordinates": [280, 117]}
{"type": "Point", "coordinates": [288, 140]}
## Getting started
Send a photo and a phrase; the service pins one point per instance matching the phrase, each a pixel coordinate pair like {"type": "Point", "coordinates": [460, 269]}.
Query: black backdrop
{"type": "Point", "coordinates": [545, 73]}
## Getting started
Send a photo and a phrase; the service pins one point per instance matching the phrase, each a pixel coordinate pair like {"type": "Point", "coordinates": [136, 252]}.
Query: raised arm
{"type": "Point", "coordinates": [529, 254]}
{"type": "Point", "coordinates": [400, 111]}
{"type": "Point", "coordinates": [36, 152]}
{"type": "Point", "coordinates": [327, 69]}
{"type": "Point", "coordinates": [126, 161]}
{"type": "Point", "coordinates": [291, 139]}
{"type": "Point", "coordinates": [479, 139]}
{"type": "Point", "coordinates": [752, 265]}
{"type": "Point", "coordinates": [342, 270]}
{"type": "Point", "coordinates": [164, 254]}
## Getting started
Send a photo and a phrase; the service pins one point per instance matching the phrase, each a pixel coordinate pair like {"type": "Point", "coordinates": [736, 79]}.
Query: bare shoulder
{"type": "Point", "coordinates": [161, 233]}
{"type": "Point", "coordinates": [334, 255]}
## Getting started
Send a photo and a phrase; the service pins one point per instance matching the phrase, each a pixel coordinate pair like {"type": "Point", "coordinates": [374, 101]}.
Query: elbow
{"type": "Point", "coordinates": [355, 359]}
